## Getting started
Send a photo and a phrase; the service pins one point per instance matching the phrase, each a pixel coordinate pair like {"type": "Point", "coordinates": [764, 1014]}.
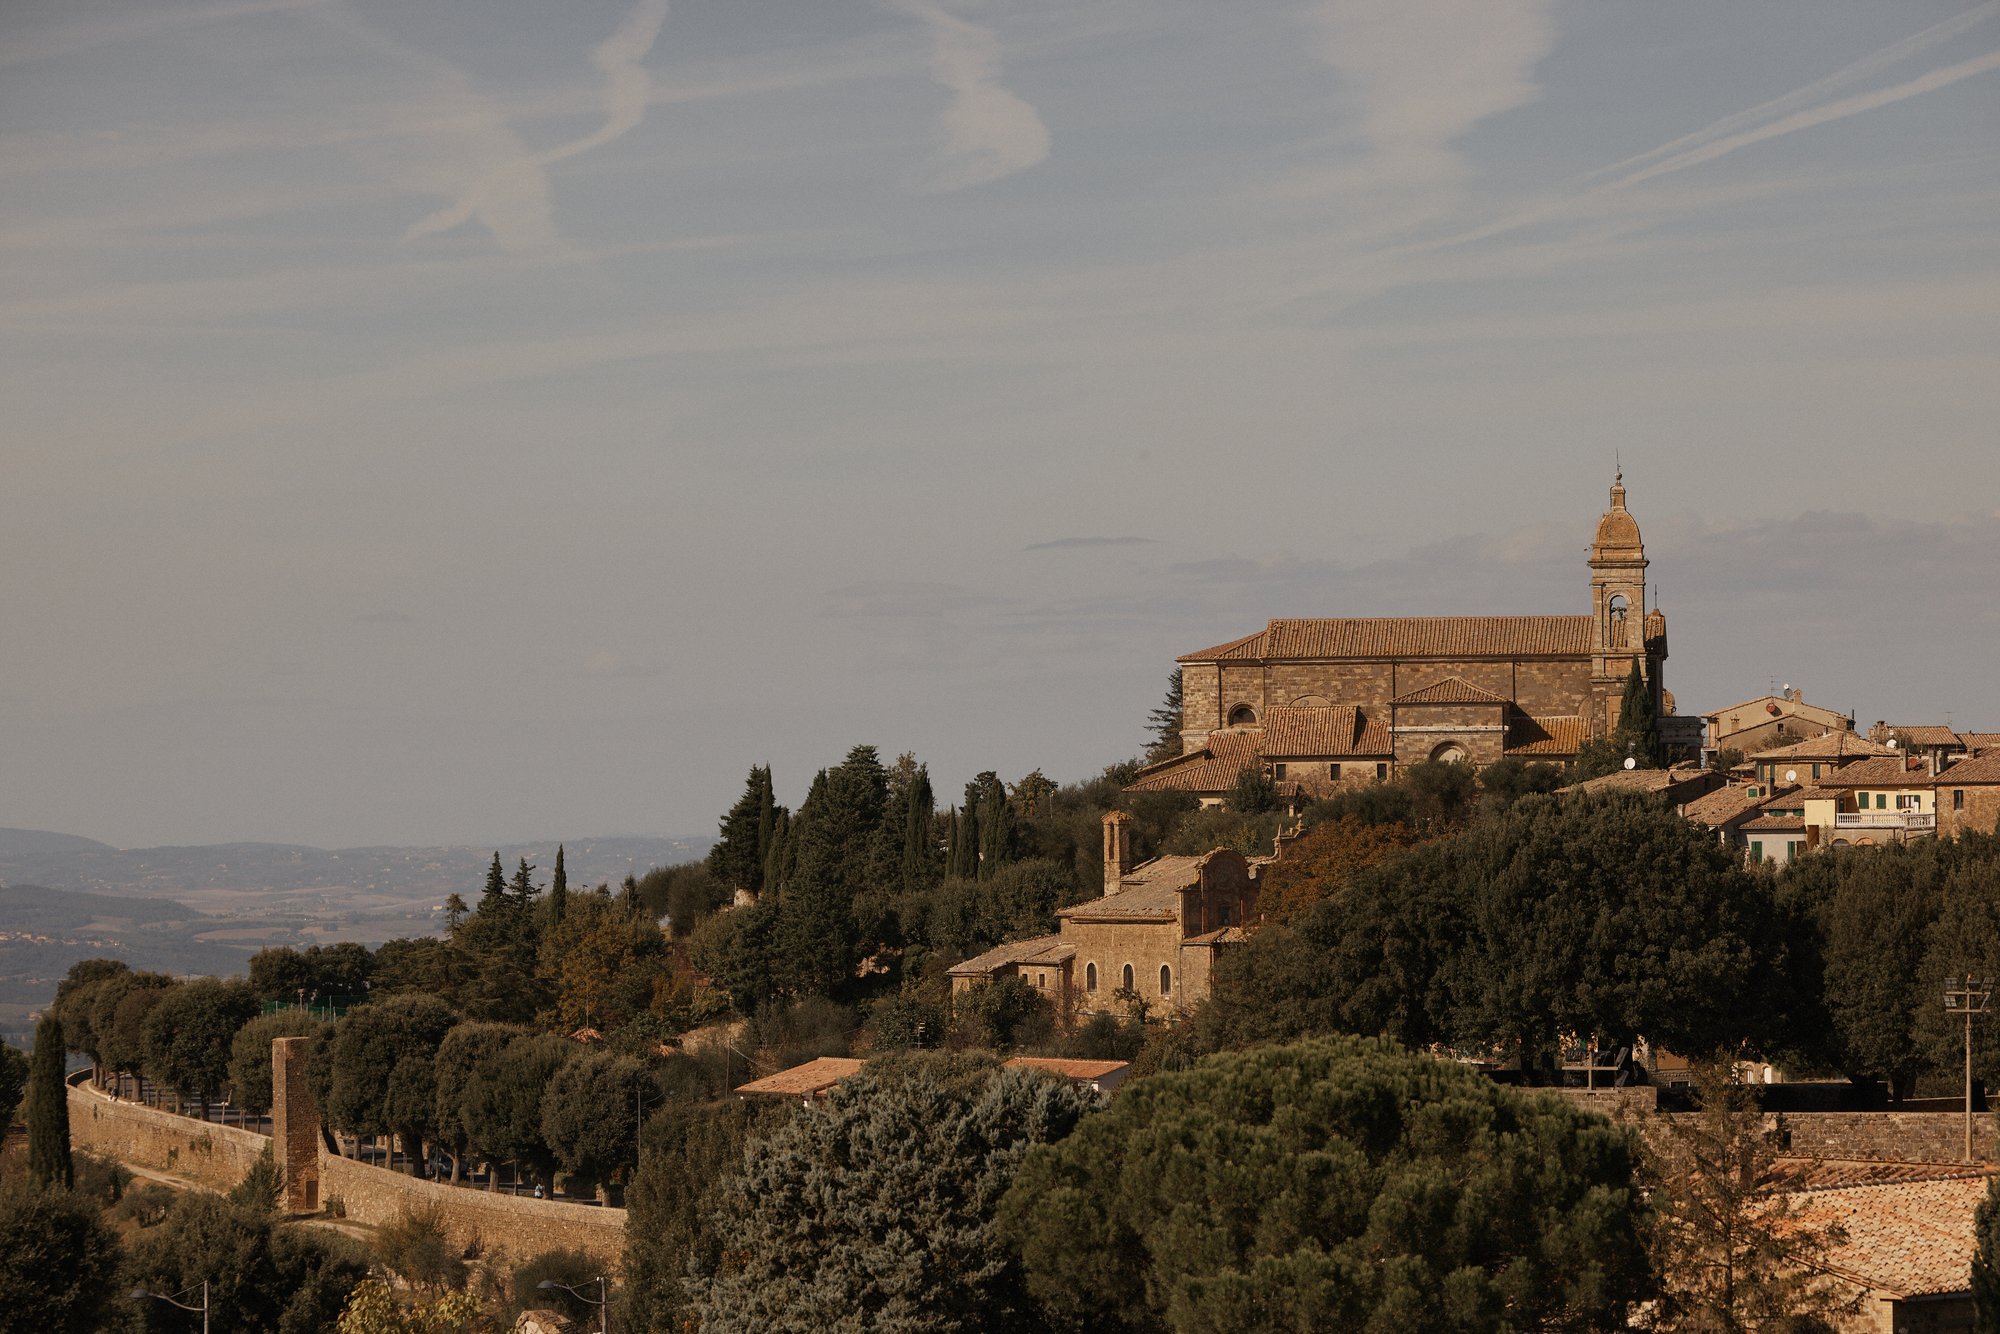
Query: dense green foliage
{"type": "Point", "coordinates": [58, 1261]}
{"type": "Point", "coordinates": [49, 1162]}
{"type": "Point", "coordinates": [900, 1236]}
{"type": "Point", "coordinates": [1986, 1262]}
{"type": "Point", "coordinates": [13, 1082]}
{"type": "Point", "coordinates": [249, 1070]}
{"type": "Point", "coordinates": [382, 1076]}
{"type": "Point", "coordinates": [262, 1279]}
{"type": "Point", "coordinates": [190, 1031]}
{"type": "Point", "coordinates": [1332, 1185]}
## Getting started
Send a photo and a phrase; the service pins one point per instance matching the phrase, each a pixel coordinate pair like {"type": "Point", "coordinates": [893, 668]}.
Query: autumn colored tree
{"type": "Point", "coordinates": [1320, 862]}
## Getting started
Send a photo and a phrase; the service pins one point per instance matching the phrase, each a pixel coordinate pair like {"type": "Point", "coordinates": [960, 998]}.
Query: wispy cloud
{"type": "Point", "coordinates": [988, 131]}
{"type": "Point", "coordinates": [69, 39]}
{"type": "Point", "coordinates": [1073, 543]}
{"type": "Point", "coordinates": [511, 196]}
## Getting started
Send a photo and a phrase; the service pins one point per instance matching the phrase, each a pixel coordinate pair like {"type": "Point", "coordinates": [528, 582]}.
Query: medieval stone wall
{"type": "Point", "coordinates": [518, 1227]}
{"type": "Point", "coordinates": [140, 1136]}
{"type": "Point", "coordinates": [1980, 814]}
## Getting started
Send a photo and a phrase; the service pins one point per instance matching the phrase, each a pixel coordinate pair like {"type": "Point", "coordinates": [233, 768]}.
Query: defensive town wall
{"type": "Point", "coordinates": [219, 1157]}
{"type": "Point", "coordinates": [1898, 1137]}
{"type": "Point", "coordinates": [139, 1136]}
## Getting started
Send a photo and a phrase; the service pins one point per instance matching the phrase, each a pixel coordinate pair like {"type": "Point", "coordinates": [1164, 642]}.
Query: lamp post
{"type": "Point", "coordinates": [602, 1301]}
{"type": "Point", "coordinates": [1968, 996]}
{"type": "Point", "coordinates": [161, 1296]}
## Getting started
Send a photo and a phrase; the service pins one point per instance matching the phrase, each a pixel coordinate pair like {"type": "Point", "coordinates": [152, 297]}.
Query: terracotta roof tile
{"type": "Point", "coordinates": [1151, 891]}
{"type": "Point", "coordinates": [812, 1078]}
{"type": "Point", "coordinates": [1040, 949]}
{"type": "Point", "coordinates": [1724, 806]}
{"type": "Point", "coordinates": [1213, 768]}
{"type": "Point", "coordinates": [1430, 637]}
{"type": "Point", "coordinates": [1831, 746]}
{"type": "Point", "coordinates": [1908, 1238]}
{"type": "Point", "coordinates": [1316, 733]}
{"type": "Point", "coordinates": [1773, 823]}
{"type": "Point", "coordinates": [1079, 1070]}
{"type": "Point", "coordinates": [1927, 734]}
{"type": "Point", "coordinates": [1451, 690]}
{"type": "Point", "coordinates": [1547, 736]}
{"type": "Point", "coordinates": [1979, 740]}
{"type": "Point", "coordinates": [1249, 646]}
{"type": "Point", "coordinates": [1881, 771]}
{"type": "Point", "coordinates": [1980, 769]}
{"type": "Point", "coordinates": [1804, 1174]}
{"type": "Point", "coordinates": [1639, 780]}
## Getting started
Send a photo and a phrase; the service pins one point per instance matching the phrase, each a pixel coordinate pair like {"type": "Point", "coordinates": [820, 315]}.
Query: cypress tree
{"type": "Point", "coordinates": [768, 815]}
{"type": "Point", "coordinates": [778, 856]}
{"type": "Point", "coordinates": [558, 891]}
{"type": "Point", "coordinates": [48, 1109]}
{"type": "Point", "coordinates": [1638, 719]}
{"type": "Point", "coordinates": [995, 824]}
{"type": "Point", "coordinates": [965, 847]}
{"type": "Point", "coordinates": [917, 852]}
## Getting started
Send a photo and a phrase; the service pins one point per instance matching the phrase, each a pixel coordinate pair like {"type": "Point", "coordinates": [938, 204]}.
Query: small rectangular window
{"type": "Point", "coordinates": [1958, 798]}
{"type": "Point", "coordinates": [1861, 801]}
{"type": "Point", "coordinates": [1333, 772]}
{"type": "Point", "coordinates": [1278, 772]}
{"type": "Point", "coordinates": [1381, 771]}
{"type": "Point", "coordinates": [1815, 771]}
{"type": "Point", "coordinates": [1881, 801]}
{"type": "Point", "coordinates": [1791, 852]}
{"type": "Point", "coordinates": [1756, 852]}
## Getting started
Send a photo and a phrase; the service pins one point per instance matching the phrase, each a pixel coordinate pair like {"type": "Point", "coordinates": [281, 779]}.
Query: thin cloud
{"type": "Point", "coordinates": [72, 38]}
{"type": "Point", "coordinates": [988, 131]}
{"type": "Point", "coordinates": [1072, 543]}
{"type": "Point", "coordinates": [1806, 120]}
{"type": "Point", "coordinates": [511, 198]}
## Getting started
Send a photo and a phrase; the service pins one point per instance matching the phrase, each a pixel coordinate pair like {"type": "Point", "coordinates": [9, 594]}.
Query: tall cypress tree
{"type": "Point", "coordinates": [918, 855]}
{"type": "Point", "coordinates": [48, 1109]}
{"type": "Point", "coordinates": [965, 847]}
{"type": "Point", "coordinates": [996, 824]}
{"type": "Point", "coordinates": [1638, 719]}
{"type": "Point", "coordinates": [558, 891]}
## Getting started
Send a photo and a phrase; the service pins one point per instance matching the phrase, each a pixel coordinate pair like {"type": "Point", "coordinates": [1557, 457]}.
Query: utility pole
{"type": "Point", "coordinates": [1968, 996]}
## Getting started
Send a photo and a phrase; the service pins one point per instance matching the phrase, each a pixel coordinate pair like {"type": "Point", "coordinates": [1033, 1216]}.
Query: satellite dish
{"type": "Point", "coordinates": [1895, 743]}
{"type": "Point", "coordinates": [1631, 763]}
{"type": "Point", "coordinates": [1791, 775]}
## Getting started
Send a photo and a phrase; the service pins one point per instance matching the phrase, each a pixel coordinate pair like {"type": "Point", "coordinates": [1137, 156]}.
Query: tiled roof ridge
{"type": "Point", "coordinates": [1450, 690]}
{"type": "Point", "coordinates": [1303, 637]}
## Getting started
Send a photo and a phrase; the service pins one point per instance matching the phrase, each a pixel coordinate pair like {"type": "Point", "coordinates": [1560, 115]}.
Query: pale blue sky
{"type": "Point", "coordinates": [500, 420]}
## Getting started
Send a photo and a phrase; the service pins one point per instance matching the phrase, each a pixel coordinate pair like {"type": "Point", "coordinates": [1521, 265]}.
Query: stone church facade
{"type": "Point", "coordinates": [1326, 702]}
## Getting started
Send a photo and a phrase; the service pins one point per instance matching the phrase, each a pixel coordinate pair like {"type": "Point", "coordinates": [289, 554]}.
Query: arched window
{"type": "Point", "coordinates": [1243, 716]}
{"type": "Point", "coordinates": [1616, 630]}
{"type": "Point", "coordinates": [1166, 980]}
{"type": "Point", "coordinates": [1090, 977]}
{"type": "Point", "coordinates": [1449, 753]}
{"type": "Point", "coordinates": [1128, 977]}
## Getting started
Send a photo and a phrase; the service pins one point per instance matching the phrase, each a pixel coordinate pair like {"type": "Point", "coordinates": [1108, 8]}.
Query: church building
{"type": "Point", "coordinates": [1327, 702]}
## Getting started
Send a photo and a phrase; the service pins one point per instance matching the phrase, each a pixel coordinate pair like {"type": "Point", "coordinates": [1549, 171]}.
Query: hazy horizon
{"type": "Point", "coordinates": [426, 422]}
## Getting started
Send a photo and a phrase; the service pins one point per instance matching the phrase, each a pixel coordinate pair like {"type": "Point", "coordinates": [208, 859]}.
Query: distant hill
{"type": "Point", "coordinates": [207, 909]}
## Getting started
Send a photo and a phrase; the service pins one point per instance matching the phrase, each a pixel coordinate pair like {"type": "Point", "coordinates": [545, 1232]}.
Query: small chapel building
{"type": "Point", "coordinates": [1327, 702]}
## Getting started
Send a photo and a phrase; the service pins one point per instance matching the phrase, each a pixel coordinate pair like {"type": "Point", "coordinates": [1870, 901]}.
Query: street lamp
{"type": "Point", "coordinates": [602, 1301]}
{"type": "Point", "coordinates": [1968, 996]}
{"type": "Point", "coordinates": [203, 1308]}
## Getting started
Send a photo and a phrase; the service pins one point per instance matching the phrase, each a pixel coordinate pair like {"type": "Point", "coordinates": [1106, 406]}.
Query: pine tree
{"type": "Point", "coordinates": [1165, 723]}
{"type": "Point", "coordinates": [496, 885]}
{"type": "Point", "coordinates": [522, 888]}
{"type": "Point", "coordinates": [558, 891]}
{"type": "Point", "coordinates": [48, 1109]}
{"type": "Point", "coordinates": [628, 896]}
{"type": "Point", "coordinates": [454, 912]}
{"type": "Point", "coordinates": [778, 854]}
{"type": "Point", "coordinates": [737, 859]}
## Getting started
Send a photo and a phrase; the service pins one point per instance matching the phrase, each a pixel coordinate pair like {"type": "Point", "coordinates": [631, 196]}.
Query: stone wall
{"type": "Point", "coordinates": [513, 1226]}
{"type": "Point", "coordinates": [1980, 811]}
{"type": "Point", "coordinates": [1911, 1137]}
{"type": "Point", "coordinates": [139, 1136]}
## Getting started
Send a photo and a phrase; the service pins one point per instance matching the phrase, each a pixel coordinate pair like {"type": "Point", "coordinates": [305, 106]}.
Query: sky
{"type": "Point", "coordinates": [476, 422]}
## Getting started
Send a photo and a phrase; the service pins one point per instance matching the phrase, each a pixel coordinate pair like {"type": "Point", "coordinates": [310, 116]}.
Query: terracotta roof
{"type": "Point", "coordinates": [1927, 734]}
{"type": "Point", "coordinates": [1981, 768]}
{"type": "Point", "coordinates": [1638, 780]}
{"type": "Point", "coordinates": [1039, 950]}
{"type": "Point", "coordinates": [1881, 771]}
{"type": "Point", "coordinates": [1213, 768]}
{"type": "Point", "coordinates": [1773, 823]}
{"type": "Point", "coordinates": [1804, 1174]}
{"type": "Point", "coordinates": [1409, 637]}
{"type": "Point", "coordinates": [1451, 690]}
{"type": "Point", "coordinates": [1831, 746]}
{"type": "Point", "coordinates": [1151, 891]}
{"type": "Point", "coordinates": [1979, 740]}
{"type": "Point", "coordinates": [1080, 1071]}
{"type": "Point", "coordinates": [1249, 646]}
{"type": "Point", "coordinates": [1724, 806]}
{"type": "Point", "coordinates": [1547, 736]}
{"type": "Point", "coordinates": [1228, 935]}
{"type": "Point", "coordinates": [812, 1078]}
{"type": "Point", "coordinates": [1336, 731]}
{"type": "Point", "coordinates": [1908, 1238]}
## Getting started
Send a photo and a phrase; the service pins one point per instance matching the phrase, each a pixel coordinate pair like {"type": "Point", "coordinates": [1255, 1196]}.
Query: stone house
{"type": "Point", "coordinates": [1815, 757]}
{"type": "Point", "coordinates": [1769, 721]}
{"type": "Point", "coordinates": [1153, 935]}
{"type": "Point", "coordinates": [1967, 795]}
{"type": "Point", "coordinates": [1346, 700]}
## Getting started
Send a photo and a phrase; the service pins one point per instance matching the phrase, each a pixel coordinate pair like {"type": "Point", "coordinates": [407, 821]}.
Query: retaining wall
{"type": "Point", "coordinates": [518, 1226]}
{"type": "Point", "coordinates": [1909, 1137]}
{"type": "Point", "coordinates": [211, 1155]}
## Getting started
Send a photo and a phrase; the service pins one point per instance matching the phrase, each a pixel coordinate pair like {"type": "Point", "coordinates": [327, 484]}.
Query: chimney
{"type": "Point", "coordinates": [1117, 849]}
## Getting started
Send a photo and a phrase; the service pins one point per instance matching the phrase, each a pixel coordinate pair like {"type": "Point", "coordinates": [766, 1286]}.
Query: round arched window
{"type": "Point", "coordinates": [1166, 980]}
{"type": "Point", "coordinates": [1243, 716]}
{"type": "Point", "coordinates": [1128, 977]}
{"type": "Point", "coordinates": [1449, 753]}
{"type": "Point", "coordinates": [1090, 977]}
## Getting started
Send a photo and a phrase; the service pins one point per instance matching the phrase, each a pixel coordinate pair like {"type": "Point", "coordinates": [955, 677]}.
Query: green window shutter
{"type": "Point", "coordinates": [1756, 852]}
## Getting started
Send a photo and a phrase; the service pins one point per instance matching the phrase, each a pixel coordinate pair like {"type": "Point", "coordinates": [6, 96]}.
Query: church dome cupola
{"type": "Point", "coordinates": [1617, 531]}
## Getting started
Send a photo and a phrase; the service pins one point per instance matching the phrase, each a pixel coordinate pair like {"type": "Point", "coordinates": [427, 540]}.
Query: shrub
{"type": "Point", "coordinates": [574, 1269]}
{"type": "Point", "coordinates": [414, 1246]}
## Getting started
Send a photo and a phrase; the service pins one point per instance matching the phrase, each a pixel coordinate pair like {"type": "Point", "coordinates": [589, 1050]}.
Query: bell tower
{"type": "Point", "coordinates": [1618, 609]}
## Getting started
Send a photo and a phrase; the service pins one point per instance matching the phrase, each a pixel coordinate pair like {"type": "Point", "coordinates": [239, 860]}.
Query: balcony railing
{"type": "Point", "coordinates": [1912, 821]}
